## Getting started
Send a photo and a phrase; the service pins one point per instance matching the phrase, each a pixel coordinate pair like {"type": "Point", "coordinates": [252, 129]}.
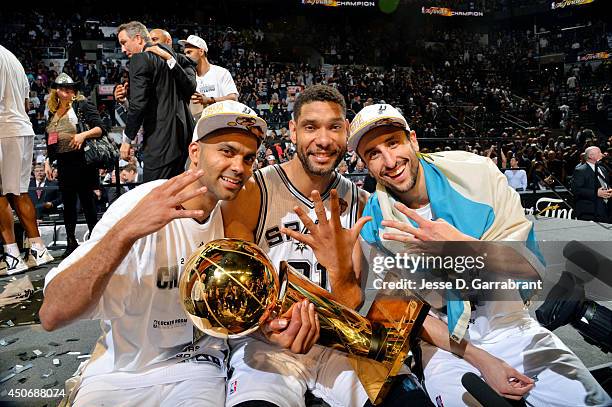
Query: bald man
{"type": "Point", "coordinates": [160, 36]}
{"type": "Point", "coordinates": [592, 188]}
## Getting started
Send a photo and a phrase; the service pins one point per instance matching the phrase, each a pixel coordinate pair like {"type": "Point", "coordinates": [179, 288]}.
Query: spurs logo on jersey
{"type": "Point", "coordinates": [278, 198]}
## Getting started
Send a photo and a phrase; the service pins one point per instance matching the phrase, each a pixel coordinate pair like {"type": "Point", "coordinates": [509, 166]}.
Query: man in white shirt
{"type": "Point", "coordinates": [16, 152]}
{"type": "Point", "coordinates": [517, 179]}
{"type": "Point", "coordinates": [127, 275]}
{"type": "Point", "coordinates": [214, 83]}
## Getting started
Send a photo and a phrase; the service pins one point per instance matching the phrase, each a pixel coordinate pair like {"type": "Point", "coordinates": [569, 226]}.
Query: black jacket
{"type": "Point", "coordinates": [585, 185]}
{"type": "Point", "coordinates": [89, 116]}
{"type": "Point", "coordinates": [159, 102]}
{"type": "Point", "coordinates": [49, 193]}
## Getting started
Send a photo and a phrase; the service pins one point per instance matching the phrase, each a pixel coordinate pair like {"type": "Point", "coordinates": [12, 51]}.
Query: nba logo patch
{"type": "Point", "coordinates": [233, 387]}
{"type": "Point", "coordinates": [439, 402]}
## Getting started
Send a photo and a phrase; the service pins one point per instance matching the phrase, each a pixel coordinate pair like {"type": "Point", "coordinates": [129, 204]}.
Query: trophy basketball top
{"type": "Point", "coordinates": [228, 287]}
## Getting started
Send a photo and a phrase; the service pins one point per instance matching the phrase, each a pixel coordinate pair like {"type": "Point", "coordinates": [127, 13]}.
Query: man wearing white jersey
{"type": "Point", "coordinates": [16, 146]}
{"type": "Point", "coordinates": [457, 196]}
{"type": "Point", "coordinates": [214, 83]}
{"type": "Point", "coordinates": [127, 275]}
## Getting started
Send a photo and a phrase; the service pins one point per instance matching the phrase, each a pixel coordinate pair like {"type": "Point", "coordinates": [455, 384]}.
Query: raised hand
{"type": "Point", "coordinates": [124, 151]}
{"type": "Point", "coordinates": [332, 244]}
{"type": "Point", "coordinates": [427, 230]}
{"type": "Point", "coordinates": [120, 92]}
{"type": "Point", "coordinates": [297, 329]}
{"type": "Point", "coordinates": [163, 204]}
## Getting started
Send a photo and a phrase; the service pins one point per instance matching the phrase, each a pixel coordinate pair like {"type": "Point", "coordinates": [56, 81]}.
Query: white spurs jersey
{"type": "Point", "coordinates": [278, 198]}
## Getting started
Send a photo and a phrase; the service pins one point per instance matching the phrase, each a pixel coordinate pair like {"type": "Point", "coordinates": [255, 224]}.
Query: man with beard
{"type": "Point", "coordinates": [278, 198]}
{"type": "Point", "coordinates": [458, 196]}
{"type": "Point", "coordinates": [282, 211]}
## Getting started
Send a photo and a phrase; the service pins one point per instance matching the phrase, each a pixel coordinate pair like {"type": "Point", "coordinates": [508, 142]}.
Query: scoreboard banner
{"type": "Point", "coordinates": [447, 12]}
{"type": "Point", "coordinates": [567, 3]}
{"type": "Point", "coordinates": [339, 3]}
{"type": "Point", "coordinates": [594, 56]}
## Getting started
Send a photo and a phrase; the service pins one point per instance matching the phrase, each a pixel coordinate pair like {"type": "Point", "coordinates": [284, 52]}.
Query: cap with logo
{"type": "Point", "coordinates": [374, 116]}
{"type": "Point", "coordinates": [195, 41]}
{"type": "Point", "coordinates": [229, 114]}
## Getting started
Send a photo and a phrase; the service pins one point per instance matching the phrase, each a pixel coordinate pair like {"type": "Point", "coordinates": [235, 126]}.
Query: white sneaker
{"type": "Point", "coordinates": [3, 267]}
{"type": "Point", "coordinates": [14, 264]}
{"type": "Point", "coordinates": [39, 257]}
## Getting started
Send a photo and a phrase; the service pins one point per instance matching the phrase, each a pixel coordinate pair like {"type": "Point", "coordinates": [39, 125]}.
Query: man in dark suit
{"type": "Point", "coordinates": [44, 194]}
{"type": "Point", "coordinates": [158, 102]}
{"type": "Point", "coordinates": [592, 188]}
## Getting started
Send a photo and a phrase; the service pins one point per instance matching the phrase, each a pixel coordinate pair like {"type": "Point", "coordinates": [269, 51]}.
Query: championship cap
{"type": "Point", "coordinates": [229, 114]}
{"type": "Point", "coordinates": [373, 116]}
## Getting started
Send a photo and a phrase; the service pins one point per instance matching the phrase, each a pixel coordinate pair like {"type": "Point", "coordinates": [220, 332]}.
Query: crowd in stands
{"type": "Point", "coordinates": [486, 94]}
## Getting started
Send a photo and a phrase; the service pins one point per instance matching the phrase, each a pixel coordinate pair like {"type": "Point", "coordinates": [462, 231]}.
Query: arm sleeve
{"type": "Point", "coordinates": [580, 187]}
{"type": "Point", "coordinates": [227, 84]}
{"type": "Point", "coordinates": [57, 197]}
{"type": "Point", "coordinates": [523, 180]}
{"type": "Point", "coordinates": [140, 82]}
{"type": "Point", "coordinates": [92, 117]}
{"type": "Point", "coordinates": [185, 76]}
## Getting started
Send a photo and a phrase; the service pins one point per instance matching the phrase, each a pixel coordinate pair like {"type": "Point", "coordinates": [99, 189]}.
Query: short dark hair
{"type": "Point", "coordinates": [129, 168]}
{"type": "Point", "coordinates": [318, 93]}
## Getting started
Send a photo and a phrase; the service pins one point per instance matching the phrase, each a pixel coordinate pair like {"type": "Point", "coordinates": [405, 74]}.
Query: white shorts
{"type": "Point", "coordinates": [200, 392]}
{"type": "Point", "coordinates": [562, 379]}
{"type": "Point", "coordinates": [259, 371]}
{"type": "Point", "coordinates": [15, 164]}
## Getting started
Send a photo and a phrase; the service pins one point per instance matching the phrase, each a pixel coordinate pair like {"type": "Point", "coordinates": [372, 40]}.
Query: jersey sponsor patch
{"type": "Point", "coordinates": [439, 402]}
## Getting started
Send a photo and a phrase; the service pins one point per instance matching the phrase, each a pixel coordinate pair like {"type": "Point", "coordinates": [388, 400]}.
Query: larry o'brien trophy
{"type": "Point", "coordinates": [229, 287]}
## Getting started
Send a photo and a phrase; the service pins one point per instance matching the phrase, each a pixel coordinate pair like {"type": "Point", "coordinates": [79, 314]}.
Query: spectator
{"type": "Point", "coordinates": [214, 83]}
{"type": "Point", "coordinates": [70, 114]}
{"type": "Point", "coordinates": [44, 194]}
{"type": "Point", "coordinates": [591, 187]}
{"type": "Point", "coordinates": [128, 174]}
{"type": "Point", "coordinates": [517, 178]}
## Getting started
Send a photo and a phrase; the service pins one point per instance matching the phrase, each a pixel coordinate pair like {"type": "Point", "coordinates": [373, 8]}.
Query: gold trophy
{"type": "Point", "coordinates": [230, 286]}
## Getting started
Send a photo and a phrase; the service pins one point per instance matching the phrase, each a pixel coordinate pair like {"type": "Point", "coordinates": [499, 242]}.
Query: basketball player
{"type": "Point", "coordinates": [127, 275]}
{"type": "Point", "coordinates": [276, 210]}
{"type": "Point", "coordinates": [259, 371]}
{"type": "Point", "coordinates": [459, 196]}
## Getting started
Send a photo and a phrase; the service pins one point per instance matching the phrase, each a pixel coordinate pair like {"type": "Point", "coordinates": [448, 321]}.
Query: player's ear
{"type": "Point", "coordinates": [194, 154]}
{"type": "Point", "coordinates": [413, 140]}
{"type": "Point", "coordinates": [293, 131]}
